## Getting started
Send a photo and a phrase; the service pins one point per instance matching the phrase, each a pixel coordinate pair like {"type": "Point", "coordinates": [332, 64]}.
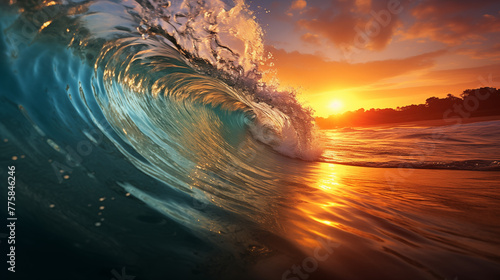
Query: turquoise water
{"type": "Point", "coordinates": [146, 145]}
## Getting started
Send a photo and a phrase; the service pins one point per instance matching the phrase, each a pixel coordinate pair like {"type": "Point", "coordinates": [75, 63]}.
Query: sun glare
{"type": "Point", "coordinates": [336, 106]}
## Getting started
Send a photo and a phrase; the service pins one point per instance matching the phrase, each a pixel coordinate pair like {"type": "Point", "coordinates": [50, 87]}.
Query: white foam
{"type": "Point", "coordinates": [292, 137]}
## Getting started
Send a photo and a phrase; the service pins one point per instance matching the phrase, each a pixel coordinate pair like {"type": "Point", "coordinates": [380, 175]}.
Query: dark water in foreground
{"type": "Point", "coordinates": [133, 158]}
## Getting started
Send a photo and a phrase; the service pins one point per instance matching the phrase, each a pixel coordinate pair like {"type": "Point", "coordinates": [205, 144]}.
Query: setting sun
{"type": "Point", "coordinates": [336, 106]}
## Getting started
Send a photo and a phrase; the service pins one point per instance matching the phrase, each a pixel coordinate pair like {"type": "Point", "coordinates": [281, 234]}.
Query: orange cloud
{"type": "Point", "coordinates": [482, 76]}
{"type": "Point", "coordinates": [482, 53]}
{"type": "Point", "coordinates": [360, 24]}
{"type": "Point", "coordinates": [298, 5]}
{"type": "Point", "coordinates": [453, 22]}
{"type": "Point", "coordinates": [316, 75]}
{"type": "Point", "coordinates": [364, 5]}
{"type": "Point", "coordinates": [435, 83]}
{"type": "Point", "coordinates": [311, 39]}
{"type": "Point", "coordinates": [376, 84]}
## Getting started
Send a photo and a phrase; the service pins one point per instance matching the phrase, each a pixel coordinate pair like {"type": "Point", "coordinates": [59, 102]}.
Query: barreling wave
{"type": "Point", "coordinates": [164, 69]}
{"type": "Point", "coordinates": [174, 86]}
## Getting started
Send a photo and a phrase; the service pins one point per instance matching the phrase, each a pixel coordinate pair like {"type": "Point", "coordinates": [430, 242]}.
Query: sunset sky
{"type": "Point", "coordinates": [350, 54]}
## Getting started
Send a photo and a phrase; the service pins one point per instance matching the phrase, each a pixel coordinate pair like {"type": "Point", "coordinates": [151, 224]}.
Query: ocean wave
{"type": "Point", "coordinates": [157, 65]}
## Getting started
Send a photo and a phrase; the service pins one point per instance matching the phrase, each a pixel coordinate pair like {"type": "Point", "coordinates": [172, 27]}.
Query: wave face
{"type": "Point", "coordinates": [470, 146]}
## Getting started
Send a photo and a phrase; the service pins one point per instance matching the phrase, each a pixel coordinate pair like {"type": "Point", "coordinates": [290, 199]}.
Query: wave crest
{"type": "Point", "coordinates": [225, 42]}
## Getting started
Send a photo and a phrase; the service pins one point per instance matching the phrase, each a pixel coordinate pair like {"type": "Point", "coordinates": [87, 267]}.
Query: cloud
{"type": "Point", "coordinates": [377, 84]}
{"type": "Point", "coordinates": [454, 22]}
{"type": "Point", "coordinates": [482, 53]}
{"type": "Point", "coordinates": [314, 74]}
{"type": "Point", "coordinates": [312, 39]}
{"type": "Point", "coordinates": [347, 24]}
{"type": "Point", "coordinates": [364, 5]}
{"type": "Point", "coordinates": [481, 76]}
{"type": "Point", "coordinates": [298, 5]}
{"type": "Point", "coordinates": [439, 83]}
{"type": "Point", "coordinates": [435, 83]}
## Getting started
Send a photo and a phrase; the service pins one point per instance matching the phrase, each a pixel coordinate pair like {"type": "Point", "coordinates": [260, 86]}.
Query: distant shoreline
{"type": "Point", "coordinates": [473, 105]}
{"type": "Point", "coordinates": [437, 122]}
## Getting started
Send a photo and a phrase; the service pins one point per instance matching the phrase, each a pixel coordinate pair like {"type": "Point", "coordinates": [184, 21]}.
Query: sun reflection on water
{"type": "Point", "coordinates": [312, 216]}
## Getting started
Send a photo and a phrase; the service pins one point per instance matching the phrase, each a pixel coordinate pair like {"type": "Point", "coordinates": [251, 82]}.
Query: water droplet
{"type": "Point", "coordinates": [53, 145]}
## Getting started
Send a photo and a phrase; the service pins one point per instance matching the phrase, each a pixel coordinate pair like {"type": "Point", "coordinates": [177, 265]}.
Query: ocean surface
{"type": "Point", "coordinates": [146, 146]}
{"type": "Point", "coordinates": [460, 146]}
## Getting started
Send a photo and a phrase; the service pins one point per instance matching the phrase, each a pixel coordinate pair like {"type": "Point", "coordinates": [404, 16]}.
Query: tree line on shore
{"type": "Point", "coordinates": [481, 102]}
